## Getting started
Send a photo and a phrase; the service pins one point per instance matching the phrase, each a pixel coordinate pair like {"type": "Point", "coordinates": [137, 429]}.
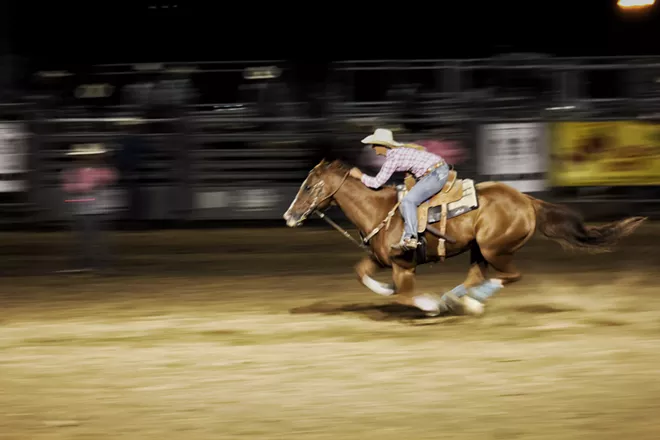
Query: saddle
{"type": "Point", "coordinates": [452, 192]}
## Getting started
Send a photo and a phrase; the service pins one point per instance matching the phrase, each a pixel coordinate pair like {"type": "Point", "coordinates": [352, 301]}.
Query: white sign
{"type": "Point", "coordinates": [211, 200]}
{"type": "Point", "coordinates": [13, 148]}
{"type": "Point", "coordinates": [527, 185]}
{"type": "Point", "coordinates": [13, 156]}
{"type": "Point", "coordinates": [257, 200]}
{"type": "Point", "coordinates": [254, 199]}
{"type": "Point", "coordinates": [519, 148]}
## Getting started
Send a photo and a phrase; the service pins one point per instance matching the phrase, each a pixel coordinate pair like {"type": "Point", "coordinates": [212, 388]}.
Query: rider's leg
{"type": "Point", "coordinates": [422, 191]}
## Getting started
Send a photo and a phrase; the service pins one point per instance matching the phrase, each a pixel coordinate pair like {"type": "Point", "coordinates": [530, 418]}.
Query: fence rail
{"type": "Point", "coordinates": [246, 159]}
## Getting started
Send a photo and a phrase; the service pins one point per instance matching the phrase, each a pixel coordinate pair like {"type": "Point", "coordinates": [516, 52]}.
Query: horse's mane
{"type": "Point", "coordinates": [342, 167]}
{"type": "Point", "coordinates": [346, 167]}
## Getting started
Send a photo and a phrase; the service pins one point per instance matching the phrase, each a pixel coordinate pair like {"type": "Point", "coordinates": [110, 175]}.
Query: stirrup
{"type": "Point", "coordinates": [406, 244]}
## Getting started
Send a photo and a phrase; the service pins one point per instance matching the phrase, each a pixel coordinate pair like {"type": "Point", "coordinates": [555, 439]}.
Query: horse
{"type": "Point", "coordinates": [504, 220]}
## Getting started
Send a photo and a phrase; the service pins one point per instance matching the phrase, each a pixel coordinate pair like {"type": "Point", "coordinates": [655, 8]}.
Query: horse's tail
{"type": "Point", "coordinates": [566, 227]}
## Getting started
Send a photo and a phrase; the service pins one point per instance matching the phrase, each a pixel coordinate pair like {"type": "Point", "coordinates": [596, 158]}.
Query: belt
{"type": "Point", "coordinates": [432, 168]}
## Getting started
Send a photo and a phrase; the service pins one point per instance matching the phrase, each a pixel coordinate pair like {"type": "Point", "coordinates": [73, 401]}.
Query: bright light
{"type": "Point", "coordinates": [634, 4]}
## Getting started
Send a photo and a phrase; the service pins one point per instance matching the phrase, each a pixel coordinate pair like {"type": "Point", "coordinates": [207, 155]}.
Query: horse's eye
{"type": "Point", "coordinates": [308, 188]}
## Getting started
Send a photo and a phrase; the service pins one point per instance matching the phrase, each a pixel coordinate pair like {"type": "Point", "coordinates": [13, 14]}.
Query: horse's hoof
{"type": "Point", "coordinates": [428, 305]}
{"type": "Point", "coordinates": [453, 303]}
{"type": "Point", "coordinates": [463, 305]}
{"type": "Point", "coordinates": [472, 307]}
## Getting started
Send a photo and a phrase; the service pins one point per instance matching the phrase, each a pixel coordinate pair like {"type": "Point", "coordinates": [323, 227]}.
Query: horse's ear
{"type": "Point", "coordinates": [323, 165]}
{"type": "Point", "coordinates": [327, 164]}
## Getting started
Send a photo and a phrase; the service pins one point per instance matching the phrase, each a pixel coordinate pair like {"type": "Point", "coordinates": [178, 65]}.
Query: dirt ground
{"type": "Point", "coordinates": [266, 334]}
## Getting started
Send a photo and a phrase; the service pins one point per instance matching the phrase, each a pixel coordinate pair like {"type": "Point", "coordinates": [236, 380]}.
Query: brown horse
{"type": "Point", "coordinates": [503, 222]}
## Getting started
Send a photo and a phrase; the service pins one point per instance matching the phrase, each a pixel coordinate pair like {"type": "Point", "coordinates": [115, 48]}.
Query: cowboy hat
{"type": "Point", "coordinates": [86, 150]}
{"type": "Point", "coordinates": [383, 137]}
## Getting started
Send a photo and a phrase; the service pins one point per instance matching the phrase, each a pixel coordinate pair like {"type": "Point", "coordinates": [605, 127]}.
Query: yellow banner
{"type": "Point", "coordinates": [625, 153]}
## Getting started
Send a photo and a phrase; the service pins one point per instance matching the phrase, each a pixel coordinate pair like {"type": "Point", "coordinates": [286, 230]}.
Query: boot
{"type": "Point", "coordinates": [406, 244]}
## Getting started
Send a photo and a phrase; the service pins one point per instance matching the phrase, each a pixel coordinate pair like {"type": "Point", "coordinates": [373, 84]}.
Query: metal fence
{"type": "Point", "coordinates": [242, 154]}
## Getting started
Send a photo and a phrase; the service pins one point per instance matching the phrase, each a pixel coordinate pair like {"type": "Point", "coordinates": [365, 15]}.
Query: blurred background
{"type": "Point", "coordinates": [198, 134]}
{"type": "Point", "coordinates": [218, 322]}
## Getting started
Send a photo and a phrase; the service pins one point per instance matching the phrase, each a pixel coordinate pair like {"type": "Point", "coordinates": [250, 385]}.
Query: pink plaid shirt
{"type": "Point", "coordinates": [85, 187]}
{"type": "Point", "coordinates": [402, 159]}
{"type": "Point", "coordinates": [81, 180]}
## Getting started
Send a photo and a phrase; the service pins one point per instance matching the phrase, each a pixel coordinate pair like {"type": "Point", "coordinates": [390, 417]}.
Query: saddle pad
{"type": "Point", "coordinates": [465, 204]}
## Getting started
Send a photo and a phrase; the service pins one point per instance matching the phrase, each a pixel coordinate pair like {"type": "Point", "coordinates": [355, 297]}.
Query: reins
{"type": "Point", "coordinates": [343, 232]}
{"type": "Point", "coordinates": [365, 240]}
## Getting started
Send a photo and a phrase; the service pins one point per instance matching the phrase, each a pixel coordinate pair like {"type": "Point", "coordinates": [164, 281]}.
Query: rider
{"type": "Point", "coordinates": [430, 170]}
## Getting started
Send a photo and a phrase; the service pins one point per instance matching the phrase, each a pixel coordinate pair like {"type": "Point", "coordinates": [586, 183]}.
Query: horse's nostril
{"type": "Point", "coordinates": [291, 223]}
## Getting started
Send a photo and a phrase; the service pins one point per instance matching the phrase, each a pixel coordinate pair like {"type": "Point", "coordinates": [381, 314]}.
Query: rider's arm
{"type": "Point", "coordinates": [386, 171]}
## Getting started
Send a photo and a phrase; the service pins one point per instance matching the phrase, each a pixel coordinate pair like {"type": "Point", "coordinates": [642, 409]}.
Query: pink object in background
{"type": "Point", "coordinates": [87, 179]}
{"type": "Point", "coordinates": [450, 151]}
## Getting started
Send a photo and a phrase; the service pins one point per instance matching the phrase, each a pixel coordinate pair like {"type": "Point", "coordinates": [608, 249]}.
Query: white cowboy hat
{"type": "Point", "coordinates": [382, 136]}
{"type": "Point", "coordinates": [86, 150]}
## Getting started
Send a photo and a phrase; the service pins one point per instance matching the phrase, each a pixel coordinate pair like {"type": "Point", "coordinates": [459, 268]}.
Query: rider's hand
{"type": "Point", "coordinates": [356, 173]}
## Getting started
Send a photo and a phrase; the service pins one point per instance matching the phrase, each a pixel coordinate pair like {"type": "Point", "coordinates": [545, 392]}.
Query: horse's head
{"type": "Point", "coordinates": [316, 192]}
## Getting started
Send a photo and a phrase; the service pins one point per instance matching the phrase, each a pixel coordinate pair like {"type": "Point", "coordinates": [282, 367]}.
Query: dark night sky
{"type": "Point", "coordinates": [99, 31]}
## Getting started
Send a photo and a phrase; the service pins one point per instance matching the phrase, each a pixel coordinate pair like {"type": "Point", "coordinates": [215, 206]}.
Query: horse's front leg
{"type": "Point", "coordinates": [404, 281]}
{"type": "Point", "coordinates": [365, 269]}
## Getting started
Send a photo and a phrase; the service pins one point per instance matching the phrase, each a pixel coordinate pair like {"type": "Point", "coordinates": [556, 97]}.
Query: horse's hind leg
{"type": "Point", "coordinates": [478, 267]}
{"type": "Point", "coordinates": [365, 269]}
{"type": "Point", "coordinates": [476, 275]}
{"type": "Point", "coordinates": [506, 274]}
{"type": "Point", "coordinates": [497, 246]}
{"type": "Point", "coordinates": [457, 298]}
{"type": "Point", "coordinates": [503, 264]}
{"type": "Point", "coordinates": [499, 251]}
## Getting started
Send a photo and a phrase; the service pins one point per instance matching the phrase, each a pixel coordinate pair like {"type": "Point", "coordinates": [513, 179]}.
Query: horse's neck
{"type": "Point", "coordinates": [365, 208]}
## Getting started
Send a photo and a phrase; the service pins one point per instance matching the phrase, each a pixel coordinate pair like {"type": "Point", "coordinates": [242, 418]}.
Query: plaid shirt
{"type": "Point", "coordinates": [86, 188]}
{"type": "Point", "coordinates": [402, 159]}
{"type": "Point", "coordinates": [86, 179]}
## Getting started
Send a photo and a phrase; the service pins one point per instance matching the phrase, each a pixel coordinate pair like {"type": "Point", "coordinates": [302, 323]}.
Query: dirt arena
{"type": "Point", "coordinates": [266, 334]}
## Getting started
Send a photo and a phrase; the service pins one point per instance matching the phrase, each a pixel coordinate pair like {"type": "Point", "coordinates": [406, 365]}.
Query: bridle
{"type": "Point", "coordinates": [315, 191]}
{"type": "Point", "coordinates": [317, 188]}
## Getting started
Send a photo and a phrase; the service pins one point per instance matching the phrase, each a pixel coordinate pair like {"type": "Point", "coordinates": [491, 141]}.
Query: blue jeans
{"type": "Point", "coordinates": [92, 247]}
{"type": "Point", "coordinates": [423, 190]}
